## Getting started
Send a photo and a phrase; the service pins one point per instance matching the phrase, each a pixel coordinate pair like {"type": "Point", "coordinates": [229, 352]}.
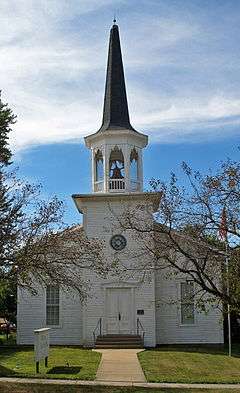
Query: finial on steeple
{"type": "Point", "coordinates": [114, 19]}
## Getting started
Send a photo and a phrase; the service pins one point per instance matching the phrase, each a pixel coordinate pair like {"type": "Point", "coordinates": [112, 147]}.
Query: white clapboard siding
{"type": "Point", "coordinates": [32, 315]}
{"type": "Point", "coordinates": [208, 328]}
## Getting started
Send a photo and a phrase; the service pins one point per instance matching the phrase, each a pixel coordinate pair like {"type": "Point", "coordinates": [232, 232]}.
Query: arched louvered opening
{"type": "Point", "coordinates": [99, 174]}
{"type": "Point", "coordinates": [116, 170]}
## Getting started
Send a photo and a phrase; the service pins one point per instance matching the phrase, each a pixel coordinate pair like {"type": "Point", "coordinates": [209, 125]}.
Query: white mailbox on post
{"type": "Point", "coordinates": [41, 346]}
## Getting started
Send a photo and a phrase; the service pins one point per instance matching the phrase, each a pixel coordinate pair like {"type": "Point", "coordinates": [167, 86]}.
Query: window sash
{"type": "Point", "coordinates": [52, 305]}
{"type": "Point", "coordinates": [187, 303]}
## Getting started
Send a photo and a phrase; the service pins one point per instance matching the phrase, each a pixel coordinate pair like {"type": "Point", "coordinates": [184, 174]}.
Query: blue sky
{"type": "Point", "coordinates": [181, 62]}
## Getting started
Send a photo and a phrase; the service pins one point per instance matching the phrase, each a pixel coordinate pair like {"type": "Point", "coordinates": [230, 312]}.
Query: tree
{"type": "Point", "coordinates": [8, 301]}
{"type": "Point", "coordinates": [184, 240]}
{"type": "Point", "coordinates": [7, 118]}
{"type": "Point", "coordinates": [35, 244]}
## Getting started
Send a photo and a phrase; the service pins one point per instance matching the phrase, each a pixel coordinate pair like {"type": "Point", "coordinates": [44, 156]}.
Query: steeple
{"type": "Point", "coordinates": [116, 147]}
{"type": "Point", "coordinates": [115, 110]}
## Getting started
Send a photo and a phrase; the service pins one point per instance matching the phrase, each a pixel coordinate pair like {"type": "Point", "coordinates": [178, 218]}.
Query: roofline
{"type": "Point", "coordinates": [154, 197]}
{"type": "Point", "coordinates": [93, 138]}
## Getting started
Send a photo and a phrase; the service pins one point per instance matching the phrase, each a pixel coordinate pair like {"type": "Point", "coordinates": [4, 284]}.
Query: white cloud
{"type": "Point", "coordinates": [187, 110]}
{"type": "Point", "coordinates": [52, 72]}
{"type": "Point", "coordinates": [153, 37]}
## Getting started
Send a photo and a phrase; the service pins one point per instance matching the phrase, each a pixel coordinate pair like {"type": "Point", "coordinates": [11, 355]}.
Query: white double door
{"type": "Point", "coordinates": [119, 311]}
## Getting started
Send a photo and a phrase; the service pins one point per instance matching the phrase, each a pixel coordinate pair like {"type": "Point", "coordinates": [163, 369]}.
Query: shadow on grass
{"type": "Point", "coordinates": [6, 351]}
{"type": "Point", "coordinates": [6, 372]}
{"type": "Point", "coordinates": [64, 370]}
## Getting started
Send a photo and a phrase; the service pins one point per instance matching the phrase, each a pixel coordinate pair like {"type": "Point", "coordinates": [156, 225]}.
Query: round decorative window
{"type": "Point", "coordinates": [118, 242]}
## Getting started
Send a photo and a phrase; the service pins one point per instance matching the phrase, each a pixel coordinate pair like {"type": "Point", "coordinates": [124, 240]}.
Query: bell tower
{"type": "Point", "coordinates": [117, 188]}
{"type": "Point", "coordinates": [116, 147]}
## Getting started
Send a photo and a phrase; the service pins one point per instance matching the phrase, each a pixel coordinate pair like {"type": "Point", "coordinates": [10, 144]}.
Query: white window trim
{"type": "Point", "coordinates": [59, 326]}
{"type": "Point", "coordinates": [193, 324]}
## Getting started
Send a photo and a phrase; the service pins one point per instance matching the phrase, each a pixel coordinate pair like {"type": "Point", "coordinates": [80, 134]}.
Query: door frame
{"type": "Point", "coordinates": [121, 285]}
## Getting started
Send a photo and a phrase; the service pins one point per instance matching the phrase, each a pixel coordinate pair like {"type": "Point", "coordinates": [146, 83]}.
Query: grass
{"type": "Point", "coordinates": [37, 388]}
{"type": "Point", "coordinates": [11, 339]}
{"type": "Point", "coordinates": [186, 364]}
{"type": "Point", "coordinates": [191, 364]}
{"type": "Point", "coordinates": [64, 363]}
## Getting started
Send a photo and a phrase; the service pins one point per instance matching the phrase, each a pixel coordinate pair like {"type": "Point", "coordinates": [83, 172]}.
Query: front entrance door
{"type": "Point", "coordinates": [118, 312]}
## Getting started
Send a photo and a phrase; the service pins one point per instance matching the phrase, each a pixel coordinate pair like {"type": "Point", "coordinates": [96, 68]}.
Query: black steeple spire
{"type": "Point", "coordinates": [115, 111]}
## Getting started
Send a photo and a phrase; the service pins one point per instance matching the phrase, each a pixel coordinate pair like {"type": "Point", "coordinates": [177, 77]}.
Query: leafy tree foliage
{"type": "Point", "coordinates": [8, 300]}
{"type": "Point", "coordinates": [36, 247]}
{"type": "Point", "coordinates": [185, 237]}
{"type": "Point", "coordinates": [7, 119]}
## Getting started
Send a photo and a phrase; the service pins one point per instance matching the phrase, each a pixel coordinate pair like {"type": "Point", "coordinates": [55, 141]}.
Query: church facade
{"type": "Point", "coordinates": [138, 300]}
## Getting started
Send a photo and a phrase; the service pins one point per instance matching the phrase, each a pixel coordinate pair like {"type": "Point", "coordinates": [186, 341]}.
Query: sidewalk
{"type": "Point", "coordinates": [111, 383]}
{"type": "Point", "coordinates": [120, 365]}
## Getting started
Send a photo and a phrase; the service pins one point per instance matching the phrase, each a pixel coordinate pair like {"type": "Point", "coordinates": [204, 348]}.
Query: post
{"type": "Point", "coordinates": [37, 367]}
{"type": "Point", "coordinates": [93, 170]}
{"type": "Point", "coordinates": [126, 180]}
{"type": "Point", "coordinates": [229, 332]}
{"type": "Point", "coordinates": [228, 306]}
{"type": "Point", "coordinates": [106, 168]}
{"type": "Point", "coordinates": [46, 361]}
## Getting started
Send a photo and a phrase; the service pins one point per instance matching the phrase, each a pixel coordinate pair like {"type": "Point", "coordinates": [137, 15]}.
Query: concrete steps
{"type": "Point", "coordinates": [119, 341]}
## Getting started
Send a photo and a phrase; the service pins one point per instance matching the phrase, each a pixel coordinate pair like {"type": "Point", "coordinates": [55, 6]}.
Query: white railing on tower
{"type": "Point", "coordinates": [98, 186]}
{"type": "Point", "coordinates": [116, 185]}
{"type": "Point", "coordinates": [135, 185]}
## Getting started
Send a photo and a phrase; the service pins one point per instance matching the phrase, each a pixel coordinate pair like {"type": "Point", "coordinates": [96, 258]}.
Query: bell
{"type": "Point", "coordinates": [116, 172]}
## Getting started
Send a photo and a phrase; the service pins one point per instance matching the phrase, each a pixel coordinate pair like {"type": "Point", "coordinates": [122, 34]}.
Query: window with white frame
{"type": "Point", "coordinates": [187, 303]}
{"type": "Point", "coordinates": [52, 305]}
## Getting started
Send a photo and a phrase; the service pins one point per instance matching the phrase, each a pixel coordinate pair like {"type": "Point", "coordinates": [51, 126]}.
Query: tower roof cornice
{"type": "Point", "coordinates": [108, 136]}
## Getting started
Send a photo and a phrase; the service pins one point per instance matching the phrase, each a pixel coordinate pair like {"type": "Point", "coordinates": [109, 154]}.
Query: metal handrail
{"type": "Point", "coordinates": [98, 327]}
{"type": "Point", "coordinates": [140, 327]}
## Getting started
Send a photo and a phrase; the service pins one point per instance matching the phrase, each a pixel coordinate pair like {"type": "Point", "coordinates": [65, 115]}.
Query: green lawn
{"type": "Point", "coordinates": [191, 364]}
{"type": "Point", "coordinates": [37, 388]}
{"type": "Point", "coordinates": [64, 362]}
{"type": "Point", "coordinates": [11, 339]}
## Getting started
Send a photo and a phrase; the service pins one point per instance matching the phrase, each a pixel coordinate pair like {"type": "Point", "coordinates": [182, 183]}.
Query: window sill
{"type": "Point", "coordinates": [54, 326]}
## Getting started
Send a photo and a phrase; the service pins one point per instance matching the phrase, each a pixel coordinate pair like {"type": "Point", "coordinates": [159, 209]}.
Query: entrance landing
{"type": "Point", "coordinates": [120, 365]}
{"type": "Point", "coordinates": [117, 341]}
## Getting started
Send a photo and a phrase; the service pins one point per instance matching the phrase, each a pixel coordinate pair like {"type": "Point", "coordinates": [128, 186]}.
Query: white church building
{"type": "Point", "coordinates": [121, 308]}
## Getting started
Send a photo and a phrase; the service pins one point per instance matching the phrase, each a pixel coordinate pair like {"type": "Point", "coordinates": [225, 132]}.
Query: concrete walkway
{"type": "Point", "coordinates": [135, 384]}
{"type": "Point", "coordinates": [120, 365]}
